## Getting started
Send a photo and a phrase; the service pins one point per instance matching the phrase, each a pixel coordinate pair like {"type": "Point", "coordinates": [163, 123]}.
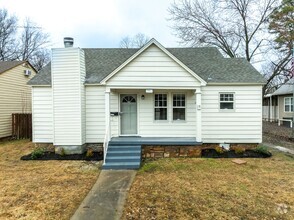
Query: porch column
{"type": "Point", "coordinates": [198, 115]}
{"type": "Point", "coordinates": [107, 114]}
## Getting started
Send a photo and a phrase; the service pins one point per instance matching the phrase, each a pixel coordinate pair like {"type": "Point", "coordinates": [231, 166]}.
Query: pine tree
{"type": "Point", "coordinates": [281, 23]}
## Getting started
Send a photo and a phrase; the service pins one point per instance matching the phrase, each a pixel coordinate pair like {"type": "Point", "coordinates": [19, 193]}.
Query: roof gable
{"type": "Point", "coordinates": [144, 48]}
{"type": "Point", "coordinates": [205, 62]}
{"type": "Point", "coordinates": [7, 65]}
{"type": "Point", "coordinates": [153, 69]}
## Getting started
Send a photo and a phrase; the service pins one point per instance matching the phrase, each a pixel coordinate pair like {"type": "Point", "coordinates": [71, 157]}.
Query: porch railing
{"type": "Point", "coordinates": [105, 143]}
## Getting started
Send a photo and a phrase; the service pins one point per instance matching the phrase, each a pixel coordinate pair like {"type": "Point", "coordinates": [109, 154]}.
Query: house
{"type": "Point", "coordinates": [15, 93]}
{"type": "Point", "coordinates": [278, 106]}
{"type": "Point", "coordinates": [128, 98]}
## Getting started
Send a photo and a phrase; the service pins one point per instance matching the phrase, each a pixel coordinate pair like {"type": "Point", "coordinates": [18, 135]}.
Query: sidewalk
{"type": "Point", "coordinates": [106, 199]}
{"type": "Point", "coordinates": [279, 148]}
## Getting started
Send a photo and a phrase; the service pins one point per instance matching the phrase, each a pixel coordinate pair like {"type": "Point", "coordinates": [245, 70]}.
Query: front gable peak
{"type": "Point", "coordinates": [156, 44]}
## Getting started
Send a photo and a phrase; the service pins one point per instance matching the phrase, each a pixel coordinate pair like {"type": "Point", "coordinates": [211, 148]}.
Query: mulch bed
{"type": "Point", "coordinates": [212, 153]}
{"type": "Point", "coordinates": [97, 156]}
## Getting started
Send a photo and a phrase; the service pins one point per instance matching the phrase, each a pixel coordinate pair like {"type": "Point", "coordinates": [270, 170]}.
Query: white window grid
{"type": "Point", "coordinates": [288, 104]}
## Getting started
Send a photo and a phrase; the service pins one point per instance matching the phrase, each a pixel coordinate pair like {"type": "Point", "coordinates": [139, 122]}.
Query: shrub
{"type": "Point", "coordinates": [37, 153]}
{"type": "Point", "coordinates": [219, 150]}
{"type": "Point", "coordinates": [62, 152]}
{"type": "Point", "coordinates": [239, 150]}
{"type": "Point", "coordinates": [263, 150]}
{"type": "Point", "coordinates": [89, 153]}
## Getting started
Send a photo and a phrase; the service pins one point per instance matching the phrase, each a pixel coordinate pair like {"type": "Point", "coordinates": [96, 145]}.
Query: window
{"type": "Point", "coordinates": [226, 100]}
{"type": "Point", "coordinates": [288, 104]}
{"type": "Point", "coordinates": [160, 107]}
{"type": "Point", "coordinates": [179, 107]}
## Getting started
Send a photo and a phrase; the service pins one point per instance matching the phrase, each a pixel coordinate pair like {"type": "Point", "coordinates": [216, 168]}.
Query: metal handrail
{"type": "Point", "coordinates": [105, 143]}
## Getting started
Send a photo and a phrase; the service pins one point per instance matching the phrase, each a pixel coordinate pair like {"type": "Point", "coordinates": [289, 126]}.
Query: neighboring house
{"type": "Point", "coordinates": [184, 96]}
{"type": "Point", "coordinates": [278, 106]}
{"type": "Point", "coordinates": [15, 94]}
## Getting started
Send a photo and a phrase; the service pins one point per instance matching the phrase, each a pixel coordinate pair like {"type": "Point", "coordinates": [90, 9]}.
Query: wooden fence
{"type": "Point", "coordinates": [22, 126]}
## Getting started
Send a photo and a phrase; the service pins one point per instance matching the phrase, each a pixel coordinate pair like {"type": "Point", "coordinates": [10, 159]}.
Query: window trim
{"type": "Point", "coordinates": [154, 107]}
{"type": "Point", "coordinates": [291, 105]}
{"type": "Point", "coordinates": [234, 101]}
{"type": "Point", "coordinates": [172, 106]}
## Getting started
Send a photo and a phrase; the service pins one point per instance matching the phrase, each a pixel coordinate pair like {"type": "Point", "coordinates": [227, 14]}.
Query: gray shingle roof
{"type": "Point", "coordinates": [285, 89]}
{"type": "Point", "coordinates": [207, 62]}
{"type": "Point", "coordinates": [7, 65]}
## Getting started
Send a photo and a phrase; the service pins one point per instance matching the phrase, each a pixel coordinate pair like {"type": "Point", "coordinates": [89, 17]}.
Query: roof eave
{"type": "Point", "coordinates": [235, 83]}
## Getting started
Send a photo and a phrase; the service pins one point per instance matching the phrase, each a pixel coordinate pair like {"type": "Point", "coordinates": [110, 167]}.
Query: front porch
{"type": "Point", "coordinates": [137, 140]}
{"type": "Point", "coordinates": [126, 152]}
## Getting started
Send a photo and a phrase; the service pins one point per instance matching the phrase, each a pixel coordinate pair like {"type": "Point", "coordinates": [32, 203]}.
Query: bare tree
{"type": "Point", "coordinates": [32, 46]}
{"type": "Point", "coordinates": [139, 40]}
{"type": "Point", "coordinates": [236, 27]}
{"type": "Point", "coordinates": [7, 35]}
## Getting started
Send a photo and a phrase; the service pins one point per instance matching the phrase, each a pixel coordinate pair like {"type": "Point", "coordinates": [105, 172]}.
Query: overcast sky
{"type": "Point", "coordinates": [96, 23]}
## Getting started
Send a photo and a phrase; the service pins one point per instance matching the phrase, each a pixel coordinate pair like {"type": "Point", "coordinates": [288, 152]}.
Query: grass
{"type": "Point", "coordinates": [197, 188]}
{"type": "Point", "coordinates": [41, 189]}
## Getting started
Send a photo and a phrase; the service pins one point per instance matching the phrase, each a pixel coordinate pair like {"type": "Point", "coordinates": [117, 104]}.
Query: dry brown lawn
{"type": "Point", "coordinates": [200, 188]}
{"type": "Point", "coordinates": [41, 189]}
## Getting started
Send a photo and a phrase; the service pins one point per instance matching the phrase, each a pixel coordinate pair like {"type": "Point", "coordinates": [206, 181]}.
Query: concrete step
{"type": "Point", "coordinates": [124, 153]}
{"type": "Point", "coordinates": [121, 165]}
{"type": "Point", "coordinates": [123, 148]}
{"type": "Point", "coordinates": [110, 159]}
{"type": "Point", "coordinates": [124, 145]}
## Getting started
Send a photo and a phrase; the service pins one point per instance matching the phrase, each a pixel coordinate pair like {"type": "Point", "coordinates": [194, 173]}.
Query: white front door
{"type": "Point", "coordinates": [128, 108]}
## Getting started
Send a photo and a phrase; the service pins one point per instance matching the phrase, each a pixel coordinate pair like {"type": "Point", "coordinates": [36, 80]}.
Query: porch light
{"type": "Point", "coordinates": [142, 97]}
{"type": "Point", "coordinates": [149, 90]}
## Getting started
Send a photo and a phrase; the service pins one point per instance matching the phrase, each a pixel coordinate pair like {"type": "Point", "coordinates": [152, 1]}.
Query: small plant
{"type": "Point", "coordinates": [219, 150]}
{"type": "Point", "coordinates": [239, 150]}
{"type": "Point", "coordinates": [263, 150]}
{"type": "Point", "coordinates": [37, 153]}
{"type": "Point", "coordinates": [149, 167]}
{"type": "Point", "coordinates": [62, 152]}
{"type": "Point", "coordinates": [89, 153]}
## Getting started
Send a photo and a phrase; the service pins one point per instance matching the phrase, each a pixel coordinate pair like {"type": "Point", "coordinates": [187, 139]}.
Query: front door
{"type": "Point", "coordinates": [128, 108]}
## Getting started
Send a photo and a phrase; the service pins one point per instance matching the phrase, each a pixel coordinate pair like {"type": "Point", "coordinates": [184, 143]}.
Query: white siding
{"type": "Point", "coordinates": [42, 115]}
{"type": "Point", "coordinates": [147, 126]}
{"type": "Point", "coordinates": [83, 95]}
{"type": "Point", "coordinates": [68, 90]}
{"type": "Point", "coordinates": [243, 125]}
{"type": "Point", "coordinates": [153, 68]}
{"type": "Point", "coordinates": [95, 114]}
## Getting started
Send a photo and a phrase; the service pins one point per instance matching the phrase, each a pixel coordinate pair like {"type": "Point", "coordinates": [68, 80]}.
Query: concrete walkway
{"type": "Point", "coordinates": [279, 148]}
{"type": "Point", "coordinates": [106, 199]}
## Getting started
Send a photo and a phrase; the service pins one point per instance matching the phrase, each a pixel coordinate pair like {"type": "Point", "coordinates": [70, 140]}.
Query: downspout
{"type": "Point", "coordinates": [270, 109]}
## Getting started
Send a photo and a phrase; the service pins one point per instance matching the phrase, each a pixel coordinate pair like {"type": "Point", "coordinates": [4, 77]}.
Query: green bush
{"type": "Point", "coordinates": [262, 149]}
{"type": "Point", "coordinates": [37, 153]}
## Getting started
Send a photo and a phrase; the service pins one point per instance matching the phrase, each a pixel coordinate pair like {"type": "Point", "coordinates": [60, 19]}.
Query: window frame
{"type": "Point", "coordinates": [166, 107]}
{"type": "Point", "coordinates": [173, 107]}
{"type": "Point", "coordinates": [234, 100]}
{"type": "Point", "coordinates": [290, 105]}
